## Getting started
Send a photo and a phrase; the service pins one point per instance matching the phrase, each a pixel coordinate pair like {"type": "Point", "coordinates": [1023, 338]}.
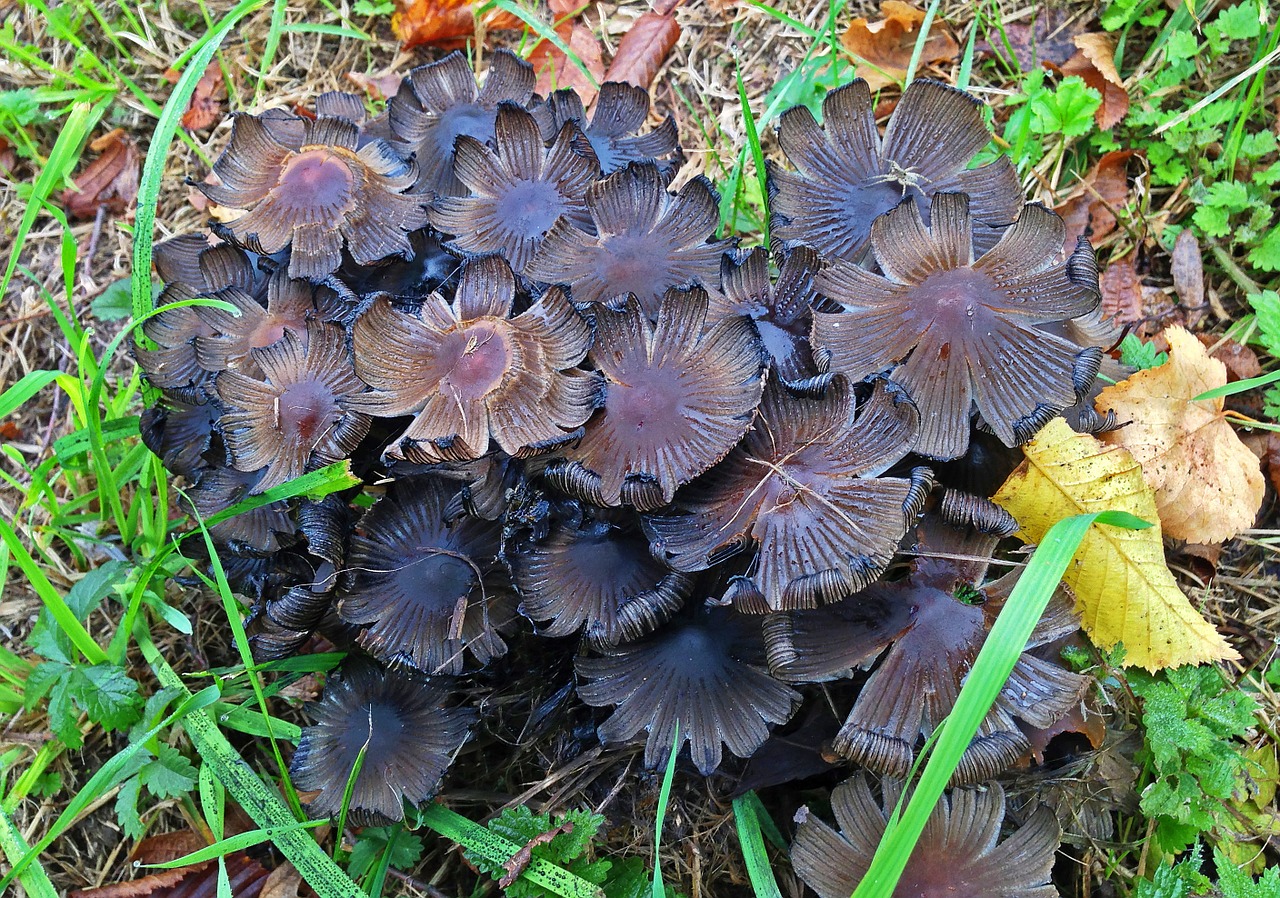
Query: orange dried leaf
{"type": "Point", "coordinates": [643, 49]}
{"type": "Point", "coordinates": [205, 108]}
{"type": "Point", "coordinates": [419, 22]}
{"type": "Point", "coordinates": [884, 48]}
{"type": "Point", "coordinates": [1103, 189]}
{"type": "Point", "coordinates": [1095, 63]}
{"type": "Point", "coordinates": [382, 86]}
{"type": "Point", "coordinates": [111, 180]}
{"type": "Point", "coordinates": [1121, 292]}
{"type": "Point", "coordinates": [555, 70]}
{"type": "Point", "coordinates": [1208, 484]}
{"type": "Point", "coordinates": [1124, 591]}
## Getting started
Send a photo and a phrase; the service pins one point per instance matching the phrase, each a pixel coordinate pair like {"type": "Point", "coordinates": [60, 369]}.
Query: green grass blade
{"type": "Point", "coordinates": [259, 800]}
{"type": "Point", "coordinates": [921, 39]}
{"type": "Point", "coordinates": [1239, 386]}
{"type": "Point", "coordinates": [31, 383]}
{"type": "Point", "coordinates": [1000, 652]}
{"type": "Point", "coordinates": [238, 842]}
{"type": "Point", "coordinates": [753, 851]}
{"type": "Point", "coordinates": [34, 880]}
{"type": "Point", "coordinates": [274, 31]}
{"type": "Point", "coordinates": [757, 154]}
{"type": "Point", "coordinates": [664, 795]}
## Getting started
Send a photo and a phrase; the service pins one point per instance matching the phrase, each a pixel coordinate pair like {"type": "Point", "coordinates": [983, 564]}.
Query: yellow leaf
{"type": "Point", "coordinates": [1124, 591]}
{"type": "Point", "coordinates": [1208, 484]}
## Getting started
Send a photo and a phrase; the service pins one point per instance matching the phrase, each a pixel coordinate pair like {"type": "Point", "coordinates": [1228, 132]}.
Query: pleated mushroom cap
{"type": "Point", "coordinates": [469, 372]}
{"type": "Point", "coordinates": [678, 395]}
{"type": "Point", "coordinates": [425, 589]}
{"type": "Point", "coordinates": [847, 175]}
{"type": "Point", "coordinates": [959, 853]}
{"type": "Point", "coordinates": [645, 241]}
{"type": "Point", "coordinates": [804, 489]}
{"type": "Point", "coordinates": [955, 331]}
{"type": "Point", "coordinates": [312, 186]}
{"type": "Point", "coordinates": [439, 102]}
{"type": "Point", "coordinates": [621, 111]}
{"type": "Point", "coordinates": [405, 728]}
{"type": "Point", "coordinates": [695, 672]}
{"type": "Point", "coordinates": [230, 337]}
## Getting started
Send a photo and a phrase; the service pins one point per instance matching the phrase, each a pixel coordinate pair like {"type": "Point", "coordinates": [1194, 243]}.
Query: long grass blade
{"type": "Point", "coordinates": [753, 852]}
{"type": "Point", "coordinates": [664, 796]}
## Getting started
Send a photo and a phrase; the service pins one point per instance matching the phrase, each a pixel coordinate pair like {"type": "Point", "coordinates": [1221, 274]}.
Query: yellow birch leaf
{"type": "Point", "coordinates": [1208, 483]}
{"type": "Point", "coordinates": [1124, 591]}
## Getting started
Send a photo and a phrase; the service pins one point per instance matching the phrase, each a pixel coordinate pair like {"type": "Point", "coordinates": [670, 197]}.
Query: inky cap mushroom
{"type": "Point", "coordinates": [959, 852]}
{"type": "Point", "coordinates": [848, 176]}
{"type": "Point", "coordinates": [953, 331]}
{"type": "Point", "coordinates": [621, 110]}
{"type": "Point", "coordinates": [469, 372]}
{"type": "Point", "coordinates": [402, 724]}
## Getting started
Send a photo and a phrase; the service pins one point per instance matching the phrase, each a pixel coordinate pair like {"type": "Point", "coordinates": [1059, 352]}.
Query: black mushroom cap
{"type": "Point", "coordinates": [645, 241]}
{"type": "Point", "coordinates": [702, 672]}
{"type": "Point", "coordinates": [469, 371]}
{"type": "Point", "coordinates": [297, 416]}
{"type": "Point", "coordinates": [429, 268]}
{"type": "Point", "coordinates": [805, 489]}
{"type": "Point", "coordinates": [423, 588]}
{"type": "Point", "coordinates": [259, 531]}
{"type": "Point", "coordinates": [439, 102]}
{"type": "Point", "coordinates": [401, 722]}
{"type": "Point", "coordinates": [959, 852]}
{"type": "Point", "coordinates": [621, 110]}
{"type": "Point", "coordinates": [954, 330]}
{"type": "Point", "coordinates": [678, 394]}
{"type": "Point", "coordinates": [597, 575]}
{"type": "Point", "coordinates": [848, 176]}
{"type": "Point", "coordinates": [181, 428]}
{"type": "Point", "coordinates": [517, 190]}
{"type": "Point", "coordinates": [312, 186]}
{"type": "Point", "coordinates": [171, 360]}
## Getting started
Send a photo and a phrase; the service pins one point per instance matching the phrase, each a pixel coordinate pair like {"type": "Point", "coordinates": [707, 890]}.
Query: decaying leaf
{"type": "Point", "coordinates": [1047, 38]}
{"type": "Point", "coordinates": [884, 48]}
{"type": "Point", "coordinates": [382, 86]}
{"type": "Point", "coordinates": [111, 180]}
{"type": "Point", "coordinates": [1089, 212]}
{"type": "Point", "coordinates": [205, 108]}
{"type": "Point", "coordinates": [246, 877]}
{"type": "Point", "coordinates": [1208, 484]}
{"type": "Point", "coordinates": [1124, 591]}
{"type": "Point", "coordinates": [1094, 61]}
{"type": "Point", "coordinates": [419, 22]}
{"type": "Point", "coordinates": [644, 48]}
{"type": "Point", "coordinates": [1121, 292]}
{"type": "Point", "coordinates": [555, 70]}
{"type": "Point", "coordinates": [1188, 270]}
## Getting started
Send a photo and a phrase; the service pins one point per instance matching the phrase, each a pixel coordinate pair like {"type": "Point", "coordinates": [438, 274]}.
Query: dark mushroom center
{"type": "Point", "coordinates": [438, 577]}
{"type": "Point", "coordinates": [610, 567]}
{"type": "Point", "coordinates": [377, 724]}
{"type": "Point", "coordinates": [638, 264]}
{"type": "Point", "coordinates": [316, 180]}
{"type": "Point", "coordinates": [471, 119]}
{"type": "Point", "coordinates": [529, 208]}
{"type": "Point", "coordinates": [956, 301]}
{"type": "Point", "coordinates": [645, 401]}
{"type": "Point", "coordinates": [475, 359]}
{"type": "Point", "coordinates": [307, 411]}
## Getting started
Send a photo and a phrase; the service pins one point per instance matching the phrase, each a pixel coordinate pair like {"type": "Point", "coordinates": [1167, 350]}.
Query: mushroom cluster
{"type": "Point", "coordinates": [580, 414]}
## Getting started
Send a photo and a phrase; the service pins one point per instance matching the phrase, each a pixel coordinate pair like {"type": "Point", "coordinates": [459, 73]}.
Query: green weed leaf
{"type": "Point", "coordinates": [1136, 354]}
{"type": "Point", "coordinates": [1068, 110]}
{"type": "Point", "coordinates": [170, 774]}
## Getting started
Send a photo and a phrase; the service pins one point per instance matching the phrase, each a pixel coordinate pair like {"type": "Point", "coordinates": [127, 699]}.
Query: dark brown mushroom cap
{"type": "Point", "coordinates": [953, 331]}
{"type": "Point", "coordinates": [804, 487]}
{"type": "Point", "coordinates": [190, 260]}
{"type": "Point", "coordinates": [518, 190]}
{"type": "Point", "coordinates": [311, 186]}
{"type": "Point", "coordinates": [282, 624]}
{"type": "Point", "coordinates": [646, 241]}
{"type": "Point", "coordinates": [469, 372]}
{"type": "Point", "coordinates": [692, 672]}
{"type": "Point", "coordinates": [439, 102]}
{"type": "Point", "coordinates": [297, 417]}
{"type": "Point", "coordinates": [847, 176]}
{"type": "Point", "coordinates": [621, 110]}
{"type": "Point", "coordinates": [232, 337]}
{"type": "Point", "coordinates": [427, 269]}
{"type": "Point", "coordinates": [826, 643]}
{"type": "Point", "coordinates": [916, 683]}
{"type": "Point", "coordinates": [678, 395]}
{"type": "Point", "coordinates": [403, 725]}
{"type": "Point", "coordinates": [600, 576]}
{"type": "Point", "coordinates": [959, 852]}
{"type": "Point", "coordinates": [173, 363]}
{"type": "Point", "coordinates": [781, 309]}
{"type": "Point", "coordinates": [181, 431]}
{"type": "Point", "coordinates": [262, 530]}
{"type": "Point", "coordinates": [425, 589]}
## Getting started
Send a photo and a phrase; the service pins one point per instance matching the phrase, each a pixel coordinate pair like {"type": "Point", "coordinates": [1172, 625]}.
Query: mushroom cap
{"type": "Point", "coordinates": [425, 589]}
{"type": "Point", "coordinates": [468, 371]}
{"type": "Point", "coordinates": [678, 394]}
{"type": "Point", "coordinates": [428, 268]}
{"type": "Point", "coordinates": [953, 330]}
{"type": "Point", "coordinates": [233, 335]}
{"type": "Point", "coordinates": [848, 176]}
{"type": "Point", "coordinates": [182, 432]}
{"type": "Point", "coordinates": [260, 531]}
{"type": "Point", "coordinates": [805, 489]}
{"type": "Point", "coordinates": [696, 672]}
{"type": "Point", "coordinates": [959, 852]}
{"type": "Point", "coordinates": [645, 241]}
{"type": "Point", "coordinates": [401, 723]}
{"type": "Point", "coordinates": [621, 110]}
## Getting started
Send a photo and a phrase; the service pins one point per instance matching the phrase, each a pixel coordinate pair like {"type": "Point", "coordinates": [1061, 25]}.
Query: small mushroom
{"type": "Point", "coordinates": [401, 723]}
{"type": "Point", "coordinates": [621, 110]}
{"type": "Point", "coordinates": [959, 853]}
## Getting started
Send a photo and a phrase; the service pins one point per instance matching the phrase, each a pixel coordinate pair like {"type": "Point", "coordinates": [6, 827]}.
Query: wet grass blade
{"type": "Point", "coordinates": [34, 880]}
{"type": "Point", "coordinates": [1000, 652]}
{"type": "Point", "coordinates": [753, 852]}
{"type": "Point", "coordinates": [664, 795]}
{"type": "Point", "coordinates": [757, 154]}
{"type": "Point", "coordinates": [921, 39]}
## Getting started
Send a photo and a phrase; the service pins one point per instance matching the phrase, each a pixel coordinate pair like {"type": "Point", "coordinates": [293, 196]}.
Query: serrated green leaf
{"type": "Point", "coordinates": [1232, 196]}
{"type": "Point", "coordinates": [1241, 22]}
{"type": "Point", "coordinates": [1266, 255]}
{"type": "Point", "coordinates": [107, 694]}
{"type": "Point", "coordinates": [1266, 310]}
{"type": "Point", "coordinates": [1068, 110]}
{"type": "Point", "coordinates": [170, 774]}
{"type": "Point", "coordinates": [1212, 220]}
{"type": "Point", "coordinates": [372, 842]}
{"type": "Point", "coordinates": [114, 303]}
{"type": "Point", "coordinates": [127, 808]}
{"type": "Point", "coordinates": [1136, 354]}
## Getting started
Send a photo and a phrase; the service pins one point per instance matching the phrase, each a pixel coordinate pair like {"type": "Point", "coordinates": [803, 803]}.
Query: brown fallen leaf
{"type": "Point", "coordinates": [1267, 447]}
{"type": "Point", "coordinates": [884, 48]}
{"type": "Point", "coordinates": [1088, 211]}
{"type": "Point", "coordinates": [7, 156]}
{"type": "Point", "coordinates": [111, 180]}
{"type": "Point", "coordinates": [1095, 63]}
{"type": "Point", "coordinates": [1121, 292]}
{"type": "Point", "coordinates": [419, 22]}
{"type": "Point", "coordinates": [205, 108]}
{"type": "Point", "coordinates": [1208, 484]}
{"type": "Point", "coordinates": [283, 882]}
{"type": "Point", "coordinates": [1188, 270]}
{"type": "Point", "coordinates": [555, 70]}
{"type": "Point", "coordinates": [1084, 719]}
{"type": "Point", "coordinates": [246, 876]}
{"type": "Point", "coordinates": [10, 431]}
{"type": "Point", "coordinates": [382, 86]}
{"type": "Point", "coordinates": [644, 48]}
{"type": "Point", "coordinates": [1046, 39]}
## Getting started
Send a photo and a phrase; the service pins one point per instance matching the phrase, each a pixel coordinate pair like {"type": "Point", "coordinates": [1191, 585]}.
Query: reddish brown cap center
{"type": "Point", "coordinates": [476, 358]}
{"type": "Point", "coordinates": [307, 411]}
{"type": "Point", "coordinates": [648, 400]}
{"type": "Point", "coordinates": [318, 179]}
